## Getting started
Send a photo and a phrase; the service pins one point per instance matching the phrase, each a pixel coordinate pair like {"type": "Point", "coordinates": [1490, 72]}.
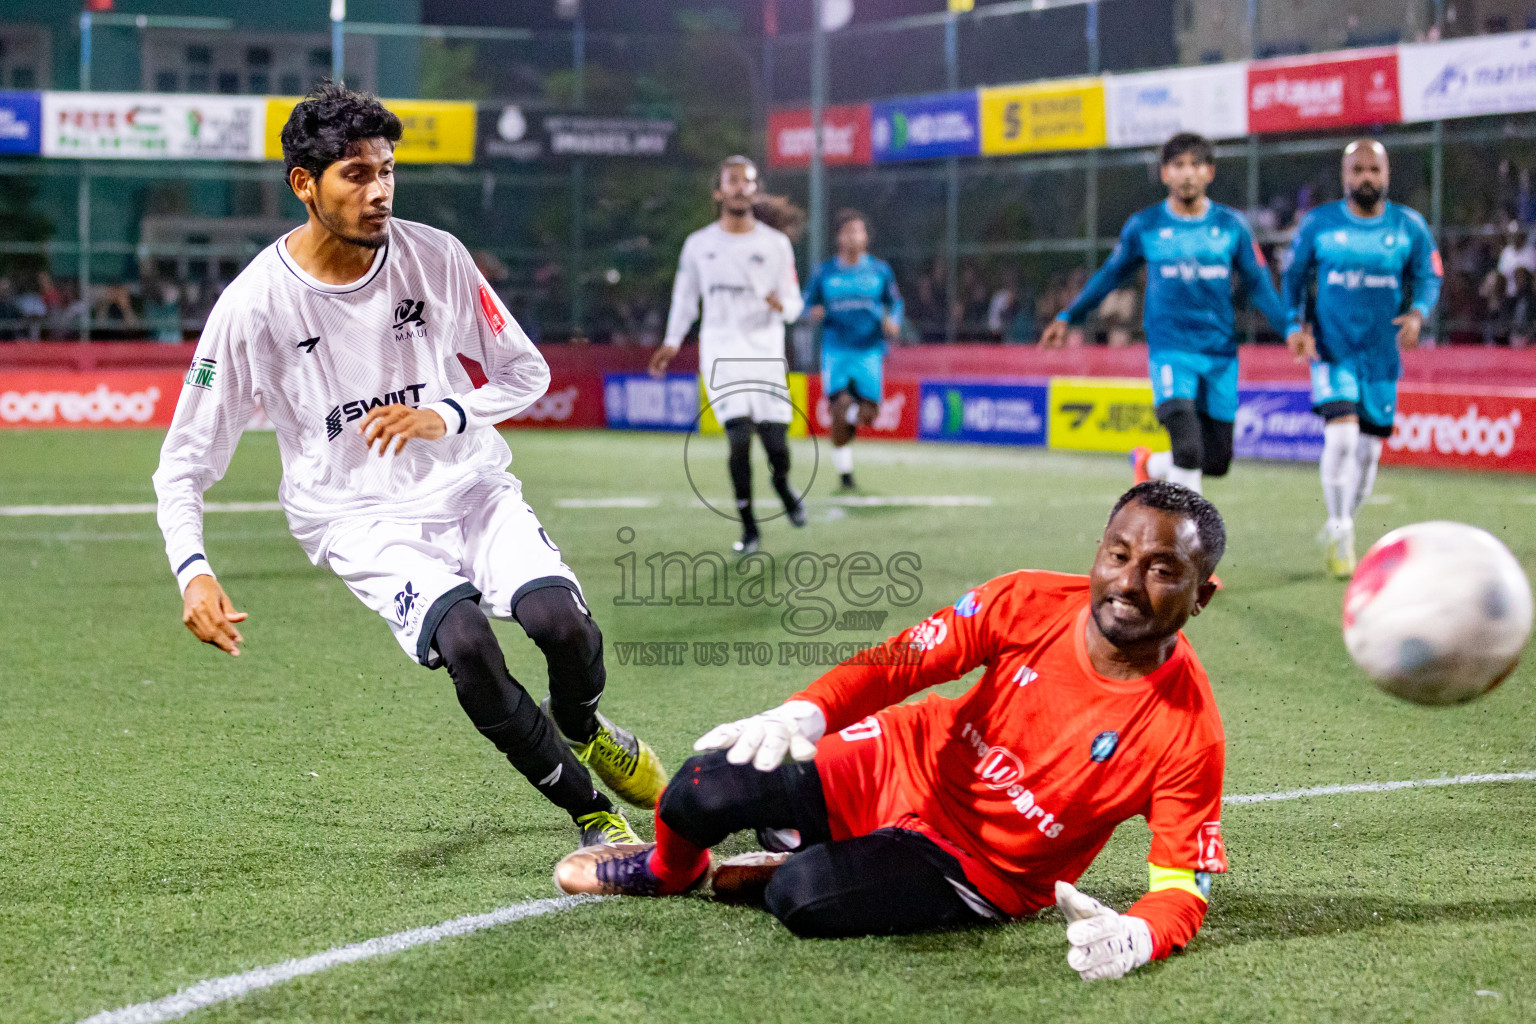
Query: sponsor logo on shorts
{"type": "Point", "coordinates": [356, 409]}
{"type": "Point", "coordinates": [1001, 769]}
{"type": "Point", "coordinates": [404, 601]}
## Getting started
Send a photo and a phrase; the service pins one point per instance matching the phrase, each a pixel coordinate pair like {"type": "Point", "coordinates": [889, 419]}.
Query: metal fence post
{"type": "Point", "coordinates": [338, 39]}
{"type": "Point", "coordinates": [951, 187]}
{"type": "Point", "coordinates": [816, 242]}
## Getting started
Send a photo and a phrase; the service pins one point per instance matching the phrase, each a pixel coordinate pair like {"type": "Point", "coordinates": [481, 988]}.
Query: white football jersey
{"type": "Point", "coordinates": [733, 275]}
{"type": "Point", "coordinates": [317, 357]}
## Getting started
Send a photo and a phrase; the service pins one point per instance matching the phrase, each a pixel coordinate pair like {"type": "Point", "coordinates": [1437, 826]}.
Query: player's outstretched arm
{"type": "Point", "coordinates": [794, 727]}
{"type": "Point", "coordinates": [207, 611]}
{"type": "Point", "coordinates": [1122, 263]}
{"type": "Point", "coordinates": [686, 292]}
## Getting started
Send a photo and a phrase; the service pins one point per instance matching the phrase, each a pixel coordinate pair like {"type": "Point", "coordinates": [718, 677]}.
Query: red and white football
{"type": "Point", "coordinates": [1437, 613]}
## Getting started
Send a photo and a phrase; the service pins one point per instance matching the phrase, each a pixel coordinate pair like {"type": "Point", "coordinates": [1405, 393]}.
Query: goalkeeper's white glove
{"type": "Point", "coordinates": [1104, 944]}
{"type": "Point", "coordinates": [793, 727]}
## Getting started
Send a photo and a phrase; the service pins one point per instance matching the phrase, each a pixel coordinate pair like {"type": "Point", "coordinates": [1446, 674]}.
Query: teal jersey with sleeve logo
{"type": "Point", "coordinates": [1190, 264]}
{"type": "Point", "coordinates": [857, 299]}
{"type": "Point", "coordinates": [1368, 271]}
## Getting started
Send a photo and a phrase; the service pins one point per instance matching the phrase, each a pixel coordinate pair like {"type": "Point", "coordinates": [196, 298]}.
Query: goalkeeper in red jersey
{"type": "Point", "coordinates": [1092, 709]}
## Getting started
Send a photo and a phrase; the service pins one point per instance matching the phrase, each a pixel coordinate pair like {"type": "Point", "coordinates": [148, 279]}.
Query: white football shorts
{"type": "Point", "coordinates": [412, 573]}
{"type": "Point", "coordinates": [752, 387]}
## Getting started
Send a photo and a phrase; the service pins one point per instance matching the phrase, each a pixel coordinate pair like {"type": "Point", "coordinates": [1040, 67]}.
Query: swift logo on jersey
{"type": "Point", "coordinates": [356, 409]}
{"type": "Point", "coordinates": [1000, 768]}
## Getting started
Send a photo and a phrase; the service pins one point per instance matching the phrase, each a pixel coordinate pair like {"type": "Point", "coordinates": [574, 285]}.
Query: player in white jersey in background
{"type": "Point", "coordinates": [348, 331]}
{"type": "Point", "coordinates": [744, 272]}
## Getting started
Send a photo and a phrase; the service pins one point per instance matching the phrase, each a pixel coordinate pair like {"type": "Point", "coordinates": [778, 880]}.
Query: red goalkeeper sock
{"type": "Point", "coordinates": [676, 861]}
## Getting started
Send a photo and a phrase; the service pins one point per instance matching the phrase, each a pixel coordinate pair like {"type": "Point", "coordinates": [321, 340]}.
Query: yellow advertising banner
{"type": "Point", "coordinates": [436, 132]}
{"type": "Point", "coordinates": [1047, 115]}
{"type": "Point", "coordinates": [1098, 414]}
{"type": "Point", "coordinates": [799, 396]}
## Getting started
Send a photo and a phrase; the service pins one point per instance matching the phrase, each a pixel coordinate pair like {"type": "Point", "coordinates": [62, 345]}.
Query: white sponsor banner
{"type": "Point", "coordinates": [1465, 77]}
{"type": "Point", "coordinates": [1144, 109]}
{"type": "Point", "coordinates": [154, 126]}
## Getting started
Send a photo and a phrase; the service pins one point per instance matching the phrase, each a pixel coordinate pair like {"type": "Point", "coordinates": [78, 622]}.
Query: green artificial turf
{"type": "Point", "coordinates": [169, 814]}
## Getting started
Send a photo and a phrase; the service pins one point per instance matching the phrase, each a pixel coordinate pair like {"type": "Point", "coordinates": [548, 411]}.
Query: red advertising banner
{"type": "Point", "coordinates": [844, 130]}
{"type": "Point", "coordinates": [1296, 95]}
{"type": "Point", "coordinates": [104, 398]}
{"type": "Point", "coordinates": [897, 420]}
{"type": "Point", "coordinates": [574, 399]}
{"type": "Point", "coordinates": [1464, 428]}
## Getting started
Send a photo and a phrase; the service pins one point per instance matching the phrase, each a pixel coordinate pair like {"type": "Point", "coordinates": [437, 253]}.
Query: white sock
{"type": "Point", "coordinates": [1185, 477]}
{"type": "Point", "coordinates": [842, 459]}
{"type": "Point", "coordinates": [853, 414]}
{"type": "Point", "coordinates": [1158, 465]}
{"type": "Point", "coordinates": [1340, 471]}
{"type": "Point", "coordinates": [1367, 458]}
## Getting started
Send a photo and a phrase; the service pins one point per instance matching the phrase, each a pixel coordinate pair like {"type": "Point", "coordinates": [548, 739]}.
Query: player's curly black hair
{"type": "Point", "coordinates": [1181, 501]}
{"type": "Point", "coordinates": [1188, 142]}
{"type": "Point", "coordinates": [325, 124]}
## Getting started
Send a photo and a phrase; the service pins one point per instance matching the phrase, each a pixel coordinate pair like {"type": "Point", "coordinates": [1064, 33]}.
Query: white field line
{"type": "Point", "coordinates": [1377, 787]}
{"type": "Point", "coordinates": [146, 508]}
{"type": "Point", "coordinates": [608, 502]}
{"type": "Point", "coordinates": [908, 501]}
{"type": "Point", "coordinates": [233, 986]}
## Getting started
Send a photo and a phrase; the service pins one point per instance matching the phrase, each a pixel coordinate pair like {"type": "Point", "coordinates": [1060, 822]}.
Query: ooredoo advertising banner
{"type": "Point", "coordinates": [153, 126]}
{"type": "Point", "coordinates": [845, 136]}
{"type": "Point", "coordinates": [925, 127]}
{"type": "Point", "coordinates": [1012, 412]}
{"type": "Point", "coordinates": [1145, 109]}
{"type": "Point", "coordinates": [1067, 114]}
{"type": "Point", "coordinates": [1357, 87]}
{"type": "Point", "coordinates": [108, 398]}
{"type": "Point", "coordinates": [21, 123]}
{"type": "Point", "coordinates": [1464, 428]}
{"type": "Point", "coordinates": [1463, 78]}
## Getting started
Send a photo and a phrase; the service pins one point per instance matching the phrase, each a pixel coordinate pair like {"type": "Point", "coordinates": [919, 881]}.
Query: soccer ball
{"type": "Point", "coordinates": [1437, 613]}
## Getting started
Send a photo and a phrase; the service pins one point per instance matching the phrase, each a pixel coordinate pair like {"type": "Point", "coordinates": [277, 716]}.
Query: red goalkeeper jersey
{"type": "Point", "coordinates": [1031, 769]}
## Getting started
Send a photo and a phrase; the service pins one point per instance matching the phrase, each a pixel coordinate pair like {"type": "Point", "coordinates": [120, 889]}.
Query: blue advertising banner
{"type": "Point", "coordinates": [988, 413]}
{"type": "Point", "coordinates": [21, 123]}
{"type": "Point", "coordinates": [1276, 421]}
{"type": "Point", "coordinates": [635, 401]}
{"type": "Point", "coordinates": [924, 127]}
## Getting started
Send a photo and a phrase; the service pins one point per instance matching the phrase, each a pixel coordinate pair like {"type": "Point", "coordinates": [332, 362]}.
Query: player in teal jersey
{"type": "Point", "coordinates": [1190, 246]}
{"type": "Point", "coordinates": [854, 297]}
{"type": "Point", "coordinates": [1377, 275]}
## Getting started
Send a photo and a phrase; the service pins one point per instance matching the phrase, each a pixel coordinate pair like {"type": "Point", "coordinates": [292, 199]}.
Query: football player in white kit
{"type": "Point", "coordinates": [348, 331]}
{"type": "Point", "coordinates": [744, 271]}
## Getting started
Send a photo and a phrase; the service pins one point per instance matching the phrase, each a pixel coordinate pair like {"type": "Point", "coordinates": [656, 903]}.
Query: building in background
{"type": "Point", "coordinates": [1209, 31]}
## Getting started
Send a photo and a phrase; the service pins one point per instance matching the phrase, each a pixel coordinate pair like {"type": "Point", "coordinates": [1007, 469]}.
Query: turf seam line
{"type": "Point", "coordinates": [233, 986]}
